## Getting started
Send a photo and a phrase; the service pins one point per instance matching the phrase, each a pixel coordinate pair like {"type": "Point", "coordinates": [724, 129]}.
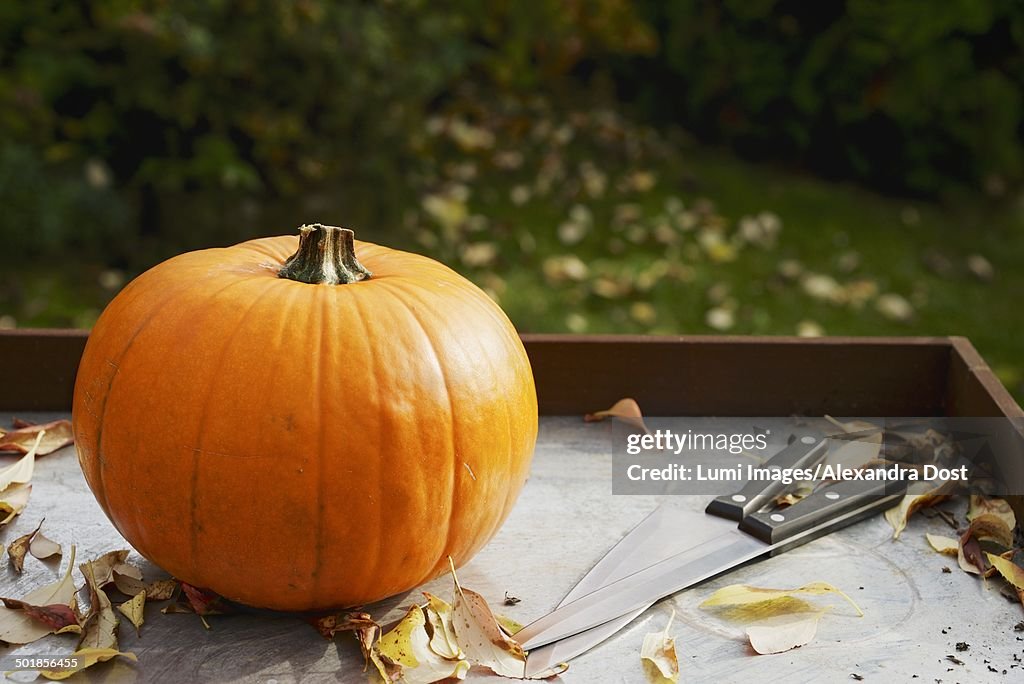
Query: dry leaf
{"type": "Point", "coordinates": [899, 515]}
{"type": "Point", "coordinates": [20, 472]}
{"type": "Point", "coordinates": [509, 625]}
{"type": "Point", "coordinates": [626, 410]}
{"type": "Point", "coordinates": [984, 527]}
{"type": "Point", "coordinates": [201, 602]}
{"type": "Point", "coordinates": [783, 633]}
{"type": "Point", "coordinates": [58, 617]}
{"type": "Point", "coordinates": [41, 547]}
{"type": "Point", "coordinates": [408, 646]}
{"type": "Point", "coordinates": [439, 615]}
{"type": "Point", "coordinates": [48, 437]}
{"type": "Point", "coordinates": [87, 657]}
{"type": "Point", "coordinates": [946, 545]}
{"type": "Point", "coordinates": [18, 628]}
{"type": "Point", "coordinates": [982, 505]}
{"type": "Point", "coordinates": [13, 501]}
{"type": "Point", "coordinates": [102, 568]}
{"type": "Point", "coordinates": [365, 628]}
{"type": "Point", "coordinates": [17, 550]}
{"type": "Point", "coordinates": [134, 610]}
{"type": "Point", "coordinates": [160, 590]}
{"type": "Point", "coordinates": [742, 594]}
{"type": "Point", "coordinates": [100, 623]}
{"type": "Point", "coordinates": [1011, 572]}
{"type": "Point", "coordinates": [658, 654]}
{"type": "Point", "coordinates": [481, 638]}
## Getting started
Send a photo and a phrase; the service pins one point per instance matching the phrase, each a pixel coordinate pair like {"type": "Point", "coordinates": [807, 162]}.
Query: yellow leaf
{"type": "Point", "coordinates": [134, 610]}
{"type": "Point", "coordinates": [508, 624]}
{"type": "Point", "coordinates": [899, 515]}
{"type": "Point", "coordinates": [946, 545]}
{"type": "Point", "coordinates": [87, 657]}
{"type": "Point", "coordinates": [18, 628]}
{"type": "Point", "coordinates": [982, 505]}
{"type": "Point", "coordinates": [408, 646]}
{"type": "Point", "coordinates": [439, 614]}
{"type": "Point", "coordinates": [1011, 572]}
{"type": "Point", "coordinates": [742, 594]}
{"type": "Point", "coordinates": [658, 653]}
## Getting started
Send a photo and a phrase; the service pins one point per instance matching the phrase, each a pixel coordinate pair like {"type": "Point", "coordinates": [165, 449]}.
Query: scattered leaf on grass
{"type": "Point", "coordinates": [13, 500]}
{"type": "Point", "coordinates": [134, 610]}
{"type": "Point", "coordinates": [408, 646]}
{"type": "Point", "coordinates": [783, 632]}
{"type": "Point", "coordinates": [658, 654]}
{"type": "Point", "coordinates": [47, 438]}
{"type": "Point", "coordinates": [742, 594]}
{"type": "Point", "coordinates": [899, 515]}
{"type": "Point", "coordinates": [58, 617]}
{"type": "Point", "coordinates": [16, 627]}
{"type": "Point", "coordinates": [946, 545]}
{"type": "Point", "coordinates": [626, 410]}
{"type": "Point", "coordinates": [87, 657]}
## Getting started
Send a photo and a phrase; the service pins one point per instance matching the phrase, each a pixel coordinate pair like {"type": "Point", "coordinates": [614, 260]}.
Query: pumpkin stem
{"type": "Point", "coordinates": [326, 255]}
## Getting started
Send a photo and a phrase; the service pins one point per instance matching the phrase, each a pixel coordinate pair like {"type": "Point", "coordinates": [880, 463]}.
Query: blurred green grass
{"type": "Point", "coordinates": [580, 220]}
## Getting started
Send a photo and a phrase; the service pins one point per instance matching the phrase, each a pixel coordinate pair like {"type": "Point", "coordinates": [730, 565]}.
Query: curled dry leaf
{"type": "Point", "coordinates": [783, 633]}
{"type": "Point", "coordinates": [20, 472]}
{"type": "Point", "coordinates": [408, 646]}
{"type": "Point", "coordinates": [1011, 572]}
{"type": "Point", "coordinates": [87, 657]}
{"type": "Point", "coordinates": [481, 638]}
{"type": "Point", "coordinates": [984, 527]}
{"type": "Point", "coordinates": [16, 627]}
{"type": "Point", "coordinates": [58, 617]}
{"type": "Point", "coordinates": [365, 629]}
{"type": "Point", "coordinates": [201, 602]}
{"type": "Point", "coordinates": [658, 654]}
{"type": "Point", "coordinates": [899, 515]}
{"type": "Point", "coordinates": [35, 543]}
{"type": "Point", "coordinates": [134, 610]}
{"type": "Point", "coordinates": [742, 594]}
{"type": "Point", "coordinates": [17, 550]}
{"type": "Point", "coordinates": [100, 624]}
{"type": "Point", "coordinates": [13, 500]}
{"type": "Point", "coordinates": [983, 505]}
{"type": "Point", "coordinates": [159, 590]}
{"type": "Point", "coordinates": [945, 545]}
{"type": "Point", "coordinates": [439, 615]}
{"type": "Point", "coordinates": [47, 438]}
{"type": "Point", "coordinates": [626, 410]}
{"type": "Point", "coordinates": [102, 568]}
{"type": "Point", "coordinates": [42, 547]}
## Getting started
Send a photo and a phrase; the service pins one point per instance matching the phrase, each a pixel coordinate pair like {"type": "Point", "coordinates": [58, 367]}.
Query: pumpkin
{"type": "Point", "coordinates": [304, 432]}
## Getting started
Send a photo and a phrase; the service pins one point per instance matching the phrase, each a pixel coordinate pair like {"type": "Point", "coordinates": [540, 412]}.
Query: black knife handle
{"type": "Point", "coordinates": [806, 450]}
{"type": "Point", "coordinates": [827, 509]}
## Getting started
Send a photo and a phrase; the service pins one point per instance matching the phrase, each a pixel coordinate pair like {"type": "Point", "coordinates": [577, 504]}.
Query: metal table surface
{"type": "Point", "coordinates": [566, 518]}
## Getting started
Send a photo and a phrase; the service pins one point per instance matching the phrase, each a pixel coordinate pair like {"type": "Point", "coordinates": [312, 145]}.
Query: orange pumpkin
{"type": "Point", "coordinates": [297, 433]}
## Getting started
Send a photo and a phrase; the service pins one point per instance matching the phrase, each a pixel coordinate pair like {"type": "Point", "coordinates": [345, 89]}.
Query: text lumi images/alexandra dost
{"type": "Point", "coordinates": [738, 443]}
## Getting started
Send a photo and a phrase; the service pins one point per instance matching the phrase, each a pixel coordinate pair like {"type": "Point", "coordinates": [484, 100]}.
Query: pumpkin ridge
{"type": "Point", "coordinates": [442, 562]}
{"type": "Point", "coordinates": [374, 362]}
{"type": "Point", "coordinates": [318, 320]}
{"type": "Point", "coordinates": [101, 420]}
{"type": "Point", "coordinates": [198, 449]}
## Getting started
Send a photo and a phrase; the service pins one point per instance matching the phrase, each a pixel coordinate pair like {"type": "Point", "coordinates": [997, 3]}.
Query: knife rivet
{"type": "Point", "coordinates": [777, 517]}
{"type": "Point", "coordinates": [739, 498]}
{"type": "Point", "coordinates": [832, 495]}
{"type": "Point", "coordinates": [807, 440]}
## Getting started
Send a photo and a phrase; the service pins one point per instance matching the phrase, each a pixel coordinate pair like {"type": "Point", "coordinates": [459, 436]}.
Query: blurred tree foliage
{"type": "Point", "coordinates": [905, 95]}
{"type": "Point", "coordinates": [249, 97]}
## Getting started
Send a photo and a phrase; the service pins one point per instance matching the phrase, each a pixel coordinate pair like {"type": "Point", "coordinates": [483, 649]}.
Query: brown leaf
{"type": "Point", "coordinates": [58, 435]}
{"type": "Point", "coordinates": [204, 601]}
{"type": "Point", "coordinates": [984, 527]}
{"type": "Point", "coordinates": [18, 548]}
{"type": "Point", "coordinates": [58, 617]}
{"type": "Point", "coordinates": [102, 568]}
{"type": "Point", "coordinates": [481, 638]}
{"type": "Point", "coordinates": [17, 423]}
{"type": "Point", "coordinates": [18, 628]}
{"type": "Point", "coordinates": [626, 410]}
{"type": "Point", "coordinates": [100, 624]}
{"type": "Point", "coordinates": [160, 590]}
{"type": "Point", "coordinates": [983, 505]}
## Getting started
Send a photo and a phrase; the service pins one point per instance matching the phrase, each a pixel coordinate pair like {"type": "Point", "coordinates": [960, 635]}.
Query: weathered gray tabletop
{"type": "Point", "coordinates": [566, 518]}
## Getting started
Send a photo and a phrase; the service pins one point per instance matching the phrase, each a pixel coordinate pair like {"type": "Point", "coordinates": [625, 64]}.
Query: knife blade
{"type": "Point", "coordinates": [667, 532]}
{"type": "Point", "coordinates": [758, 535]}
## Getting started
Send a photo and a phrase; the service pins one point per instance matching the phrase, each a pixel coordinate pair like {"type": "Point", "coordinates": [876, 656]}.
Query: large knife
{"type": "Point", "coordinates": [663, 534]}
{"type": "Point", "coordinates": [721, 546]}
